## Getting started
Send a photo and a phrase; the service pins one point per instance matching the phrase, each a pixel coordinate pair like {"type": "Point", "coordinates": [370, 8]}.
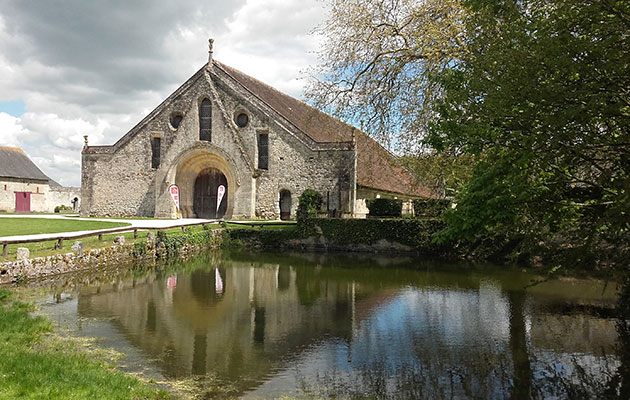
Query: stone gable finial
{"type": "Point", "coordinates": [85, 140]}
{"type": "Point", "coordinates": [210, 45]}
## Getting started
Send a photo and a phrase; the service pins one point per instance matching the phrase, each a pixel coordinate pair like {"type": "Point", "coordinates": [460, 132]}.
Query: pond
{"type": "Point", "coordinates": [265, 325]}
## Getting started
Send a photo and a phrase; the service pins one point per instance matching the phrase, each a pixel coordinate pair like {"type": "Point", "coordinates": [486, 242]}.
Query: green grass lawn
{"type": "Point", "coordinates": [36, 365]}
{"type": "Point", "coordinates": [32, 226]}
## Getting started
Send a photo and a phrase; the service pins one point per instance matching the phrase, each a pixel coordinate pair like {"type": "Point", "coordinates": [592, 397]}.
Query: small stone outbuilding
{"type": "Point", "coordinates": [25, 188]}
{"type": "Point", "coordinates": [223, 130]}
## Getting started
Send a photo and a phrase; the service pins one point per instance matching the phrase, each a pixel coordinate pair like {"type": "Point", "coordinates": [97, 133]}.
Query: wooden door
{"type": "Point", "coordinates": [206, 194]}
{"type": "Point", "coordinates": [22, 202]}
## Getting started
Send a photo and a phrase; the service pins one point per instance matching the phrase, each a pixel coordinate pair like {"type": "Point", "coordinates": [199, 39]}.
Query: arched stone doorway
{"type": "Point", "coordinates": [198, 173]}
{"type": "Point", "coordinates": [210, 200]}
{"type": "Point", "coordinates": [285, 204]}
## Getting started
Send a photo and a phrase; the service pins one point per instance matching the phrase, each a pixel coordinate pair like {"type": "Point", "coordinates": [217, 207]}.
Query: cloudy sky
{"type": "Point", "coordinates": [70, 68]}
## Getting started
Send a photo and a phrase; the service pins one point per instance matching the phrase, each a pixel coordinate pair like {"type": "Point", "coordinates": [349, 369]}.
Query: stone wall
{"type": "Point", "coordinates": [111, 256]}
{"type": "Point", "coordinates": [39, 193]}
{"type": "Point", "coordinates": [63, 196]}
{"type": "Point", "coordinates": [119, 181]}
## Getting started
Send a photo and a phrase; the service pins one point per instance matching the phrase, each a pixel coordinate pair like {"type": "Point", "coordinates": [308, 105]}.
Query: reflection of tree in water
{"type": "Point", "coordinates": [487, 369]}
{"type": "Point", "coordinates": [619, 384]}
{"type": "Point", "coordinates": [606, 377]}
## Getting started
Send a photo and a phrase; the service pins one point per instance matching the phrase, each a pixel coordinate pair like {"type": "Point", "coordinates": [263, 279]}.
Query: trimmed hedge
{"type": "Point", "coordinates": [411, 232]}
{"type": "Point", "coordinates": [415, 233]}
{"type": "Point", "coordinates": [384, 207]}
{"type": "Point", "coordinates": [432, 208]}
{"type": "Point", "coordinates": [269, 238]}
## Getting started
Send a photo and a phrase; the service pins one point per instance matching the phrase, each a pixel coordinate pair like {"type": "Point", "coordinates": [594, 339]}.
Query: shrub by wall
{"type": "Point", "coordinates": [174, 243]}
{"type": "Point", "coordinates": [309, 203]}
{"type": "Point", "coordinates": [384, 207]}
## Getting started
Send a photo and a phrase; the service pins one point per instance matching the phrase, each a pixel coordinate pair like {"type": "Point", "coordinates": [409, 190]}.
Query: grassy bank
{"type": "Point", "coordinates": [47, 248]}
{"type": "Point", "coordinates": [34, 226]}
{"type": "Point", "coordinates": [35, 365]}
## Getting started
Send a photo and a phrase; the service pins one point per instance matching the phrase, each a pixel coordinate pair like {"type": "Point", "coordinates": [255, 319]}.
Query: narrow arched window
{"type": "Point", "coordinates": [263, 151]}
{"type": "Point", "coordinates": [205, 120]}
{"type": "Point", "coordinates": [155, 152]}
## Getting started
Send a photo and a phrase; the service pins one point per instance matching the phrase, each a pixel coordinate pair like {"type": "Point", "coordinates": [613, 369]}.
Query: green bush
{"type": "Point", "coordinates": [430, 207]}
{"type": "Point", "coordinates": [173, 244]}
{"type": "Point", "coordinates": [384, 207]}
{"type": "Point", "coordinates": [411, 232]}
{"type": "Point", "coordinates": [309, 204]}
{"type": "Point", "coordinates": [62, 208]}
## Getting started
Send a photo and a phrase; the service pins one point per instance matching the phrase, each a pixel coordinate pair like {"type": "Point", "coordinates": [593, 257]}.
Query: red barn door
{"type": "Point", "coordinates": [22, 202]}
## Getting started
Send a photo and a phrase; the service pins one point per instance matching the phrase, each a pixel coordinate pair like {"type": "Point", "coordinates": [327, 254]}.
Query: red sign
{"type": "Point", "coordinates": [220, 194]}
{"type": "Point", "coordinates": [174, 191]}
{"type": "Point", "coordinates": [171, 282]}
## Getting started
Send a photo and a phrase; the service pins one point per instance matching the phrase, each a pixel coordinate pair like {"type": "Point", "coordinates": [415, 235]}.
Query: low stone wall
{"type": "Point", "coordinates": [111, 256]}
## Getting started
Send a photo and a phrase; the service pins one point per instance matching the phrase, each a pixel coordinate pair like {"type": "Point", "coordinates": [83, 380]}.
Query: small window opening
{"type": "Point", "coordinates": [242, 120]}
{"type": "Point", "coordinates": [155, 152]}
{"type": "Point", "coordinates": [263, 151]}
{"type": "Point", "coordinates": [176, 120]}
{"type": "Point", "coordinates": [205, 120]}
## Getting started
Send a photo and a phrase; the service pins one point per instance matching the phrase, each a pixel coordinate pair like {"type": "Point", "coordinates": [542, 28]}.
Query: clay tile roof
{"type": "Point", "coordinates": [14, 163]}
{"type": "Point", "coordinates": [376, 167]}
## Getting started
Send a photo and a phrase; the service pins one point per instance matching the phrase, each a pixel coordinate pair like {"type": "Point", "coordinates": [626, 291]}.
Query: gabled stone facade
{"type": "Point", "coordinates": [306, 149]}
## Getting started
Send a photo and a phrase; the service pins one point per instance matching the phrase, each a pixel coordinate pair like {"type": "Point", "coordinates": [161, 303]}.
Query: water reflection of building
{"type": "Point", "coordinates": [273, 317]}
{"type": "Point", "coordinates": [257, 319]}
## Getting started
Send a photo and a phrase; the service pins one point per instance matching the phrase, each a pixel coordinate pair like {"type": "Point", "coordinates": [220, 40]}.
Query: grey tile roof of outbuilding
{"type": "Point", "coordinates": [14, 163]}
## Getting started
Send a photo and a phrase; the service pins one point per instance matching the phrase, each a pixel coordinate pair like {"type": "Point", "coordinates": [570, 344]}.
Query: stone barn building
{"type": "Point", "coordinates": [25, 188]}
{"type": "Point", "coordinates": [225, 128]}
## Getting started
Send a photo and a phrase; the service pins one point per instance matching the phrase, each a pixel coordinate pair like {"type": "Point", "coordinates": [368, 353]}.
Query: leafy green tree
{"type": "Point", "coordinates": [542, 93]}
{"type": "Point", "coordinates": [444, 172]}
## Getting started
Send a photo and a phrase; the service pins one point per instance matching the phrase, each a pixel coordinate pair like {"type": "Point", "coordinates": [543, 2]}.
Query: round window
{"type": "Point", "coordinates": [241, 120]}
{"type": "Point", "coordinates": [176, 120]}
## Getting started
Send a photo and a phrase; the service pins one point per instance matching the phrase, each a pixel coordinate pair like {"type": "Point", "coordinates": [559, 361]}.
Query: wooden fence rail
{"type": "Point", "coordinates": [100, 233]}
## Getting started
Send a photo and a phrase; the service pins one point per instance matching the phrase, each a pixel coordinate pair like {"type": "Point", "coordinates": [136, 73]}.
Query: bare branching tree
{"type": "Point", "coordinates": [377, 58]}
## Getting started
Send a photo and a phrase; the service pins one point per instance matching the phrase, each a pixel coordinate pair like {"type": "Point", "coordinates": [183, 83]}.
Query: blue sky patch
{"type": "Point", "coordinates": [15, 108]}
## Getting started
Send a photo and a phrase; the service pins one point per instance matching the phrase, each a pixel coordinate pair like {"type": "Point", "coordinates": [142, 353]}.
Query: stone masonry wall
{"type": "Point", "coordinates": [62, 196]}
{"type": "Point", "coordinates": [293, 166]}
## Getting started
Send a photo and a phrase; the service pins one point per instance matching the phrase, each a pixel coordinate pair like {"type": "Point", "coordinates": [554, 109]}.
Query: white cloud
{"type": "Point", "coordinates": [11, 130]}
{"type": "Point", "coordinates": [90, 68]}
